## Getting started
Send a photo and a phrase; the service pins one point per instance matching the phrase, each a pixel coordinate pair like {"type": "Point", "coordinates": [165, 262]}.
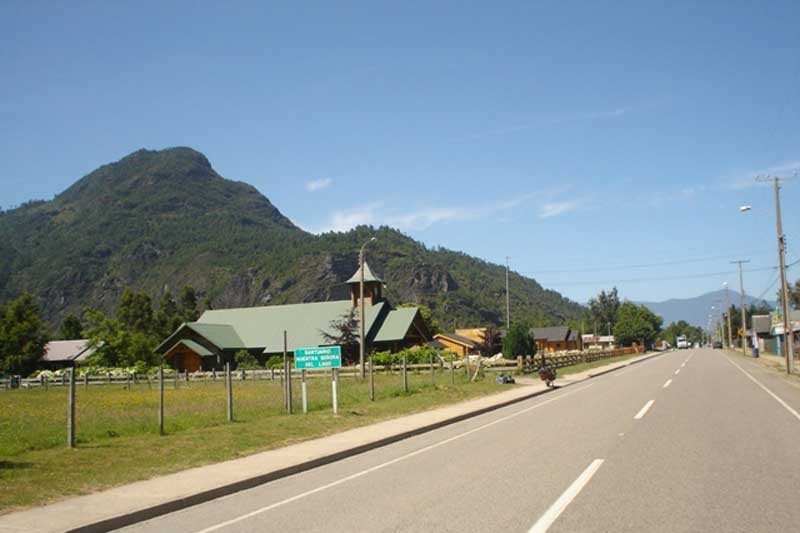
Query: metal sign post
{"type": "Point", "coordinates": [304, 390]}
{"type": "Point", "coordinates": [316, 358]}
{"type": "Point", "coordinates": [335, 386]}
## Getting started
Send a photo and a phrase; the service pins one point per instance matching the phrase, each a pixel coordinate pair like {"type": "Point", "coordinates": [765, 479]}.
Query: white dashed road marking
{"type": "Point", "coordinates": [555, 510]}
{"type": "Point", "coordinates": [643, 410]}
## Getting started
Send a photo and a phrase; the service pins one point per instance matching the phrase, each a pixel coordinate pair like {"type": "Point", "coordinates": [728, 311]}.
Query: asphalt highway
{"type": "Point", "coordinates": [693, 440]}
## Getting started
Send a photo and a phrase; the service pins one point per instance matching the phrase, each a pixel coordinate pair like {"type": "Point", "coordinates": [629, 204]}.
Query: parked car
{"type": "Point", "coordinates": [717, 345]}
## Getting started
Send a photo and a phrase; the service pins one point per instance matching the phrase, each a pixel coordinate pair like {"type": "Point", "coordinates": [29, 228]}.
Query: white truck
{"type": "Point", "coordinates": [682, 343]}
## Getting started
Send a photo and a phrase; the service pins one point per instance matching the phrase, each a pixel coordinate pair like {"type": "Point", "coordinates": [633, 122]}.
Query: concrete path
{"type": "Point", "coordinates": [141, 500]}
{"type": "Point", "coordinates": [689, 441]}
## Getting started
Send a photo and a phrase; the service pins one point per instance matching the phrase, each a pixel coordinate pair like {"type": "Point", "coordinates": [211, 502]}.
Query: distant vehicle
{"type": "Point", "coordinates": [718, 345]}
{"type": "Point", "coordinates": [682, 343]}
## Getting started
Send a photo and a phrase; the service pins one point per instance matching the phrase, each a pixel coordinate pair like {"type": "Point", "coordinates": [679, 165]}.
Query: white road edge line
{"type": "Point", "coordinates": [555, 510]}
{"type": "Point", "coordinates": [643, 410]}
{"type": "Point", "coordinates": [774, 396]}
{"type": "Point", "coordinates": [384, 465]}
{"type": "Point", "coordinates": [667, 383]}
{"type": "Point", "coordinates": [677, 371]}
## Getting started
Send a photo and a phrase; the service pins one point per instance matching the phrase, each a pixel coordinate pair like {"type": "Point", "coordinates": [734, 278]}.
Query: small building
{"type": "Point", "coordinates": [777, 331]}
{"type": "Point", "coordinates": [218, 334]}
{"type": "Point", "coordinates": [555, 338]}
{"type": "Point", "coordinates": [63, 354]}
{"type": "Point", "coordinates": [458, 344]}
{"type": "Point", "coordinates": [477, 335]}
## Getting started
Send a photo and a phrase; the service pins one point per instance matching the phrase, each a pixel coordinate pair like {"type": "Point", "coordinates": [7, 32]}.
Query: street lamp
{"type": "Point", "coordinates": [361, 317]}
{"type": "Point", "coordinates": [788, 330]}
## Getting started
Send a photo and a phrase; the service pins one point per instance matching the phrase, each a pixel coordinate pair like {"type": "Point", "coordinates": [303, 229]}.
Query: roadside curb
{"type": "Point", "coordinates": [154, 511]}
{"type": "Point", "coordinates": [141, 515]}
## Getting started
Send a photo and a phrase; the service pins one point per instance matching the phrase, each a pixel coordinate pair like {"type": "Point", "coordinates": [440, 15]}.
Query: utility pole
{"type": "Point", "coordinates": [741, 302]}
{"type": "Point", "coordinates": [788, 333]}
{"type": "Point", "coordinates": [728, 312]}
{"type": "Point", "coordinates": [508, 304]}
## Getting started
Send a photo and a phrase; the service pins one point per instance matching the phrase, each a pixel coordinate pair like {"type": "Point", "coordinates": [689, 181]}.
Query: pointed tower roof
{"type": "Point", "coordinates": [368, 275]}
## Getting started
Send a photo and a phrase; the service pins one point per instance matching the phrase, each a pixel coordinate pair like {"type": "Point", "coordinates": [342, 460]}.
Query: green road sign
{"type": "Point", "coordinates": [310, 358]}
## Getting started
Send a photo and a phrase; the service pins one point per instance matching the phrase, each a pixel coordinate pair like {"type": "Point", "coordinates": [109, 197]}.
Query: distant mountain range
{"type": "Point", "coordinates": [696, 310]}
{"type": "Point", "coordinates": [158, 220]}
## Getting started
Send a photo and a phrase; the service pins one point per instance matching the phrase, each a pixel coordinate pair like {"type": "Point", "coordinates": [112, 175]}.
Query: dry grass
{"type": "Point", "coordinates": [117, 433]}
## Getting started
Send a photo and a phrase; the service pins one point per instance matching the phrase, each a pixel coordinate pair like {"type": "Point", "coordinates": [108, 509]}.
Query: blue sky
{"type": "Point", "coordinates": [582, 139]}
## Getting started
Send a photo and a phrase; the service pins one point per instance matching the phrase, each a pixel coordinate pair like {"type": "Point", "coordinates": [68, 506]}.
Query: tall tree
{"type": "Point", "coordinates": [344, 333]}
{"type": "Point", "coordinates": [135, 311]}
{"type": "Point", "coordinates": [115, 344]}
{"type": "Point", "coordinates": [71, 328]}
{"type": "Point", "coordinates": [22, 336]}
{"type": "Point", "coordinates": [679, 328]}
{"type": "Point", "coordinates": [794, 294]}
{"type": "Point", "coordinates": [187, 304]}
{"type": "Point", "coordinates": [519, 341]}
{"type": "Point", "coordinates": [603, 310]}
{"type": "Point", "coordinates": [167, 318]}
{"type": "Point", "coordinates": [636, 324]}
{"type": "Point", "coordinates": [491, 341]}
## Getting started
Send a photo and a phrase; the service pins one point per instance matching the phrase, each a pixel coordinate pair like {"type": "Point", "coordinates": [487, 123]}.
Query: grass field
{"type": "Point", "coordinates": [117, 432]}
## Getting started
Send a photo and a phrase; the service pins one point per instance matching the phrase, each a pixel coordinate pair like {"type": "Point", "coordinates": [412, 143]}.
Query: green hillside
{"type": "Point", "coordinates": [158, 220]}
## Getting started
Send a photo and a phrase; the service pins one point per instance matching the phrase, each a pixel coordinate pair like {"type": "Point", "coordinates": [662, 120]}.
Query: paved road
{"type": "Point", "coordinates": [689, 441]}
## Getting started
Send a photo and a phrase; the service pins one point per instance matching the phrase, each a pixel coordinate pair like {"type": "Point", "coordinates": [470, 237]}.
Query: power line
{"type": "Point", "coordinates": [775, 280]}
{"type": "Point", "coordinates": [668, 278]}
{"type": "Point", "coordinates": [630, 267]}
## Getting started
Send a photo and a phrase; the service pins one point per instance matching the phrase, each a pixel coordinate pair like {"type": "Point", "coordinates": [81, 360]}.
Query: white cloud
{"type": "Point", "coordinates": [345, 219]}
{"type": "Point", "coordinates": [418, 219]}
{"type": "Point", "coordinates": [553, 121]}
{"type": "Point", "coordinates": [554, 209]}
{"type": "Point", "coordinates": [318, 185]}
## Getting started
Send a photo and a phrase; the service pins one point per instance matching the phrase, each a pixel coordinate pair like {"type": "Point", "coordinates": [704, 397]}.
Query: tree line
{"type": "Point", "coordinates": [124, 339]}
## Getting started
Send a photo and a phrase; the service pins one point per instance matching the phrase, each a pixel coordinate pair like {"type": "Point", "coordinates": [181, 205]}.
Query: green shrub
{"type": "Point", "coordinates": [276, 361]}
{"type": "Point", "coordinates": [413, 357]}
{"type": "Point", "coordinates": [246, 360]}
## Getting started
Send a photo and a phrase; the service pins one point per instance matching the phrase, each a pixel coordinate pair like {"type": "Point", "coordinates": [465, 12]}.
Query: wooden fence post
{"type": "Point", "coordinates": [405, 375]}
{"type": "Point", "coordinates": [229, 391]}
{"type": "Point", "coordinates": [160, 398]}
{"type": "Point", "coordinates": [287, 369]}
{"type": "Point", "coordinates": [71, 411]}
{"type": "Point", "coordinates": [304, 390]}
{"type": "Point", "coordinates": [371, 381]}
{"type": "Point", "coordinates": [335, 390]}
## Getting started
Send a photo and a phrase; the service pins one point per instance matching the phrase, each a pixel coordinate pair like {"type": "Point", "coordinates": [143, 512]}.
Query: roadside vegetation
{"type": "Point", "coordinates": [117, 433]}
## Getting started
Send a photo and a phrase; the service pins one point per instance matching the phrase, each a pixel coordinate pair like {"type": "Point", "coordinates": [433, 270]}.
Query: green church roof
{"type": "Point", "coordinates": [223, 336]}
{"type": "Point", "coordinates": [396, 325]}
{"type": "Point", "coordinates": [196, 348]}
{"type": "Point", "coordinates": [263, 327]}
{"type": "Point", "coordinates": [368, 275]}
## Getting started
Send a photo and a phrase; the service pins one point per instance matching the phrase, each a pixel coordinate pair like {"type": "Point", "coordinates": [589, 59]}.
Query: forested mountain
{"type": "Point", "coordinates": [159, 220]}
{"type": "Point", "coordinates": [695, 310]}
